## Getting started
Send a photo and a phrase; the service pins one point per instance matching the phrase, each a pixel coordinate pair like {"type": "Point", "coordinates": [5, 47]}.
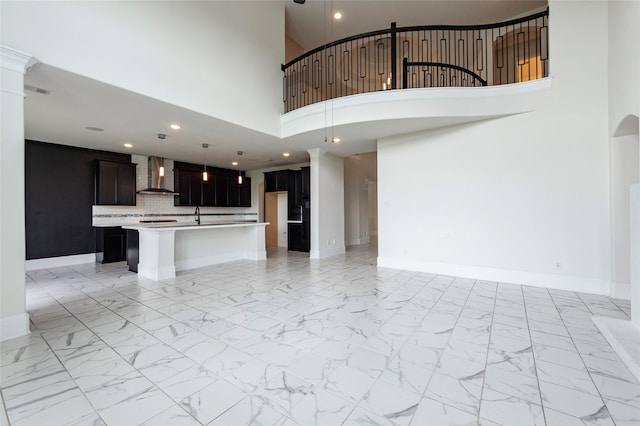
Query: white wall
{"type": "Point", "coordinates": [179, 52]}
{"type": "Point", "coordinates": [624, 60]}
{"type": "Point", "coordinates": [359, 171]}
{"type": "Point", "coordinates": [521, 199]}
{"type": "Point", "coordinates": [624, 173]}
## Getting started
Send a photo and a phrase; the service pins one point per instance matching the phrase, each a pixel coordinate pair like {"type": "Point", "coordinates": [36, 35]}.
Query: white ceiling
{"type": "Point", "coordinates": [77, 102]}
{"type": "Point", "coordinates": [311, 24]}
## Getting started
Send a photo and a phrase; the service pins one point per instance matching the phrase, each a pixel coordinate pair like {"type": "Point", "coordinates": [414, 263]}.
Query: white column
{"type": "Point", "coordinates": [634, 206]}
{"type": "Point", "coordinates": [14, 320]}
{"type": "Point", "coordinates": [314, 182]}
{"type": "Point", "coordinates": [327, 204]}
{"type": "Point", "coordinates": [157, 254]}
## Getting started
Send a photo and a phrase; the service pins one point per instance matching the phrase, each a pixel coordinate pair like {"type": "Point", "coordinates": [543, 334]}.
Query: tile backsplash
{"type": "Point", "coordinates": [150, 206]}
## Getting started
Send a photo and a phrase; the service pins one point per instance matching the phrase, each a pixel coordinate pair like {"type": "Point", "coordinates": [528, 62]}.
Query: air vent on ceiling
{"type": "Point", "coordinates": [35, 89]}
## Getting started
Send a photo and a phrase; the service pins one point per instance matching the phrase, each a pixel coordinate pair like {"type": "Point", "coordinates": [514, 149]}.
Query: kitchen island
{"type": "Point", "coordinates": [165, 249]}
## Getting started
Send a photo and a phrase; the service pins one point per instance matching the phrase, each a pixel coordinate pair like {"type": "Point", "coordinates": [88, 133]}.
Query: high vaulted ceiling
{"type": "Point", "coordinates": [63, 115]}
{"type": "Point", "coordinates": [311, 24]}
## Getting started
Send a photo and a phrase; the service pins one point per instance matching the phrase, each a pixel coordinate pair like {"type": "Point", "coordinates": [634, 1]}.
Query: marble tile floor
{"type": "Point", "coordinates": [292, 341]}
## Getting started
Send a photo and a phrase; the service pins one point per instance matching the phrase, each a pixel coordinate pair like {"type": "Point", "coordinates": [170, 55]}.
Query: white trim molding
{"type": "Point", "coordinates": [15, 60]}
{"type": "Point", "coordinates": [327, 252]}
{"type": "Point", "coordinates": [14, 326]}
{"type": "Point", "coordinates": [534, 279]}
{"type": "Point", "coordinates": [57, 262]}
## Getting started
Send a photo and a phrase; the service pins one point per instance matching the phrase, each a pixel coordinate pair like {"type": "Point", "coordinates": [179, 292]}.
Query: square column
{"type": "Point", "coordinates": [14, 320]}
{"type": "Point", "coordinates": [327, 204]}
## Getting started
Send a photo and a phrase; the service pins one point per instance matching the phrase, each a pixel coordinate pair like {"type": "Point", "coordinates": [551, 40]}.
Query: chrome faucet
{"type": "Point", "coordinates": [198, 215]}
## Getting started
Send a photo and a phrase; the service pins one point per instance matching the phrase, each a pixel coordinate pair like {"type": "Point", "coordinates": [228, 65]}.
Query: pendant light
{"type": "Point", "coordinates": [240, 178]}
{"type": "Point", "coordinates": [161, 136]}
{"type": "Point", "coordinates": [205, 175]}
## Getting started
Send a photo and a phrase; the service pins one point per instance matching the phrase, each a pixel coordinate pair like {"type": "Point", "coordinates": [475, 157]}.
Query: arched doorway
{"type": "Point", "coordinates": [625, 209]}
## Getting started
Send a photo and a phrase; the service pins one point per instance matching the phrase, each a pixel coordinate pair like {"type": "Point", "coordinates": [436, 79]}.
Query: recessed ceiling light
{"type": "Point", "coordinates": [175, 126]}
{"type": "Point", "coordinates": [128, 145]}
{"type": "Point", "coordinates": [235, 163]}
{"type": "Point", "coordinates": [285, 154]}
{"type": "Point", "coordinates": [94, 129]}
{"type": "Point", "coordinates": [337, 15]}
{"type": "Point", "coordinates": [335, 140]}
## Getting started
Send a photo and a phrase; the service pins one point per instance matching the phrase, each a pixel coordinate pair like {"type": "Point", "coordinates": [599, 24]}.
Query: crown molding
{"type": "Point", "coordinates": [15, 60]}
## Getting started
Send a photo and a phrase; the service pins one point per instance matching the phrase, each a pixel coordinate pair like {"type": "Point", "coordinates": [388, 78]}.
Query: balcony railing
{"type": "Point", "coordinates": [420, 57]}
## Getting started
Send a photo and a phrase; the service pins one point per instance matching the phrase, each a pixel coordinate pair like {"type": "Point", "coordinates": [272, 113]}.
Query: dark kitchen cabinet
{"type": "Point", "coordinates": [133, 252]}
{"type": "Point", "coordinates": [190, 187]}
{"type": "Point", "coordinates": [110, 244]}
{"type": "Point", "coordinates": [299, 236]}
{"type": "Point", "coordinates": [294, 196]}
{"type": "Point", "coordinates": [305, 181]}
{"type": "Point", "coordinates": [276, 181]}
{"type": "Point", "coordinates": [233, 191]}
{"type": "Point", "coordinates": [220, 190]}
{"type": "Point", "coordinates": [115, 183]}
{"type": "Point", "coordinates": [244, 193]}
{"type": "Point", "coordinates": [209, 191]}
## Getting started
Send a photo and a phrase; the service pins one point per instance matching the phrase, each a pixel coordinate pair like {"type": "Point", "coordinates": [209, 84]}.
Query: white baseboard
{"type": "Point", "coordinates": [620, 291]}
{"type": "Point", "coordinates": [535, 279]}
{"type": "Point", "coordinates": [324, 253]}
{"type": "Point", "coordinates": [56, 262]}
{"type": "Point", "coordinates": [14, 326]}
{"type": "Point", "coordinates": [357, 241]}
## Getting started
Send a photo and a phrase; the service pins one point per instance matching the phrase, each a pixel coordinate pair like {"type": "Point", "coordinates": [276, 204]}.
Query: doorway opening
{"type": "Point", "coordinates": [625, 172]}
{"type": "Point", "coordinates": [275, 212]}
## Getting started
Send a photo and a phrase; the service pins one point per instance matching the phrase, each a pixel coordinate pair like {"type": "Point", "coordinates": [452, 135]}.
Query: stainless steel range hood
{"type": "Point", "coordinates": [155, 180]}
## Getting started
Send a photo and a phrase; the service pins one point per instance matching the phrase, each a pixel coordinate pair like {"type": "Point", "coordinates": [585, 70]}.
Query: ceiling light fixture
{"type": "Point", "coordinates": [234, 163]}
{"type": "Point", "coordinates": [205, 175]}
{"type": "Point", "coordinates": [240, 178]}
{"type": "Point", "coordinates": [337, 15]}
{"type": "Point", "coordinates": [175, 126]}
{"type": "Point", "coordinates": [285, 154]}
{"type": "Point", "coordinates": [335, 140]}
{"type": "Point", "coordinates": [128, 145]}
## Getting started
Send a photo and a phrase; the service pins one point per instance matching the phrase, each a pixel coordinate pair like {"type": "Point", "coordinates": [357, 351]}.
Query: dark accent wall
{"type": "Point", "coordinates": [59, 193]}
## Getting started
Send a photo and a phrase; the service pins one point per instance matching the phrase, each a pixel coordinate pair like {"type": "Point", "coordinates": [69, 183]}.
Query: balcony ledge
{"type": "Point", "coordinates": [451, 103]}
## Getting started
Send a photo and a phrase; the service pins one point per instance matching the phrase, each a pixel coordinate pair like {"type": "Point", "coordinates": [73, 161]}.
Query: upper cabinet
{"type": "Point", "coordinates": [220, 190]}
{"type": "Point", "coordinates": [306, 182]}
{"type": "Point", "coordinates": [115, 183]}
{"type": "Point", "coordinates": [190, 188]}
{"type": "Point", "coordinates": [276, 181]}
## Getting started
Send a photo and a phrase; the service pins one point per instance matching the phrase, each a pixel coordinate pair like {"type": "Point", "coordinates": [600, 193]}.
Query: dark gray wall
{"type": "Point", "coordinates": [59, 193]}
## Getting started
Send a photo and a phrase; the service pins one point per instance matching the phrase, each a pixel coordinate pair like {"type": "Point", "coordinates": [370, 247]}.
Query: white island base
{"type": "Point", "coordinates": [167, 249]}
